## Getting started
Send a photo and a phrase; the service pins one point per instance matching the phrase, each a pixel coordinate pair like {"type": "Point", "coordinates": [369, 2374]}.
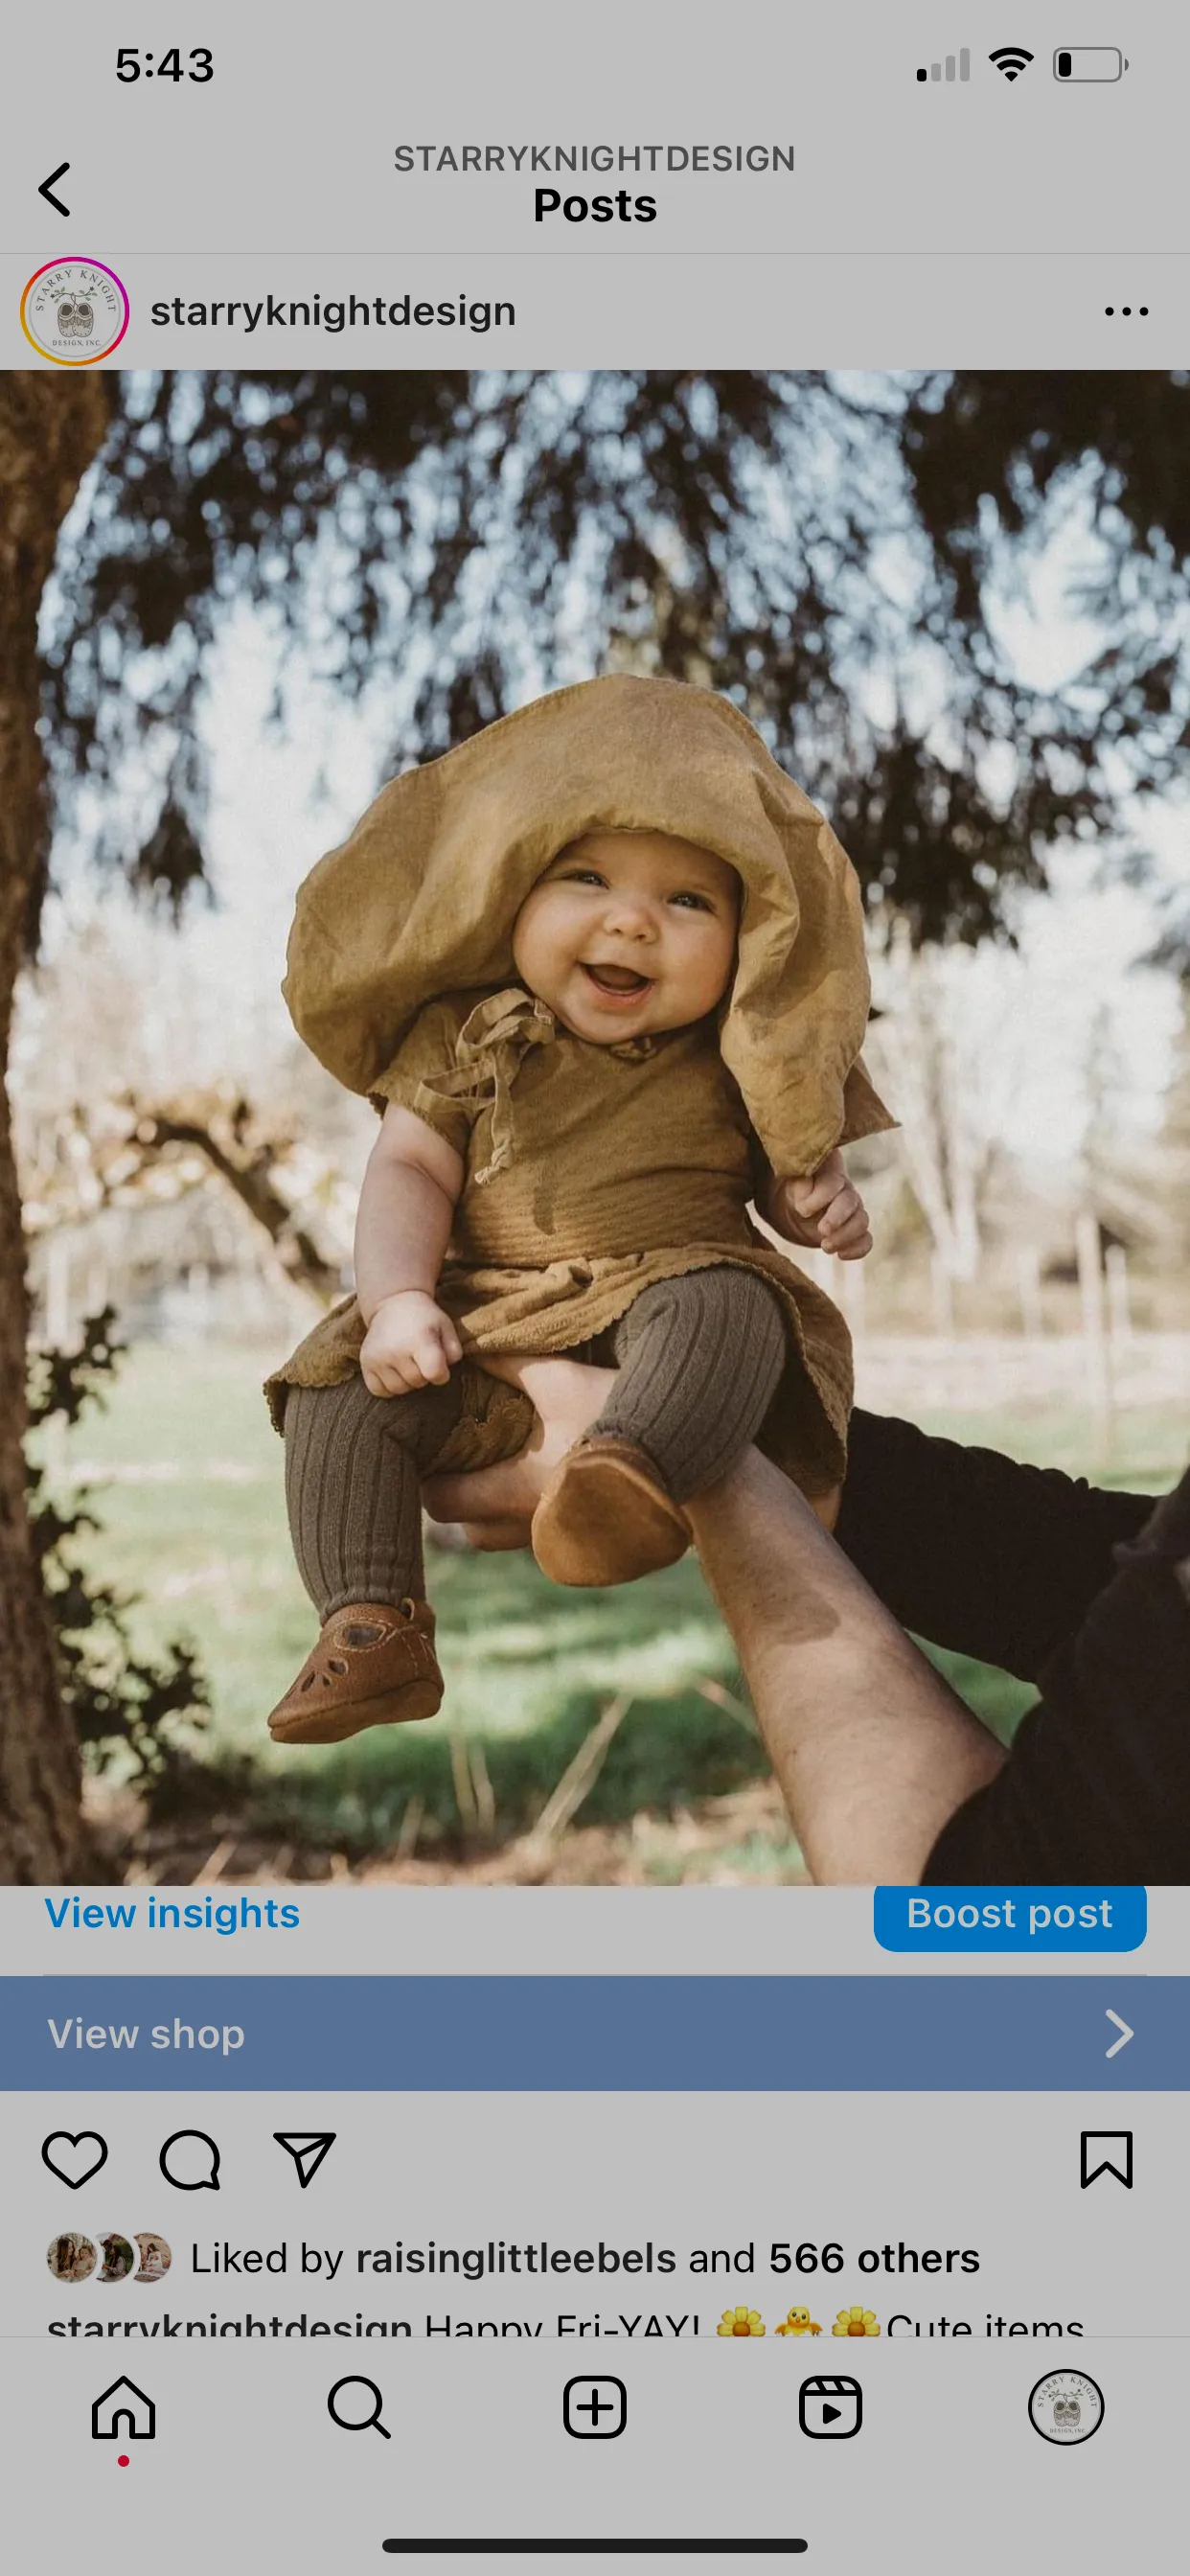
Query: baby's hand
{"type": "Point", "coordinates": [409, 1343]}
{"type": "Point", "coordinates": [826, 1209]}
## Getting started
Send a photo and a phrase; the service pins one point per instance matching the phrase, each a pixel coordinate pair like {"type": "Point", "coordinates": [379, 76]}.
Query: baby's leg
{"type": "Point", "coordinates": [700, 1360]}
{"type": "Point", "coordinates": [353, 1467]}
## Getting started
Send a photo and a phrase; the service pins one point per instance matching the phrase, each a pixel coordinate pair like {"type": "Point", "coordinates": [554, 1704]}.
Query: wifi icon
{"type": "Point", "coordinates": [1012, 60]}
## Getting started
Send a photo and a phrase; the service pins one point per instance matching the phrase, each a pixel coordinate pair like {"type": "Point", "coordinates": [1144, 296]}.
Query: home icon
{"type": "Point", "coordinates": [123, 2414]}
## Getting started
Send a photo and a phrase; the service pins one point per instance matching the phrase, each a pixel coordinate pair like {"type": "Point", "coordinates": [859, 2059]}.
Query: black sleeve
{"type": "Point", "coordinates": [1097, 1783]}
{"type": "Point", "coordinates": [972, 1550]}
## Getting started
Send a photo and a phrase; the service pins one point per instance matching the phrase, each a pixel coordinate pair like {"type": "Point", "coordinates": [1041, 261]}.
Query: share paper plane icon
{"type": "Point", "coordinates": [307, 2147]}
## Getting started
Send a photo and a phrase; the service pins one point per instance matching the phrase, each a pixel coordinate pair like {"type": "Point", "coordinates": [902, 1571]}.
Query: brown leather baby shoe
{"type": "Point", "coordinates": [603, 1517]}
{"type": "Point", "coordinates": [372, 1666]}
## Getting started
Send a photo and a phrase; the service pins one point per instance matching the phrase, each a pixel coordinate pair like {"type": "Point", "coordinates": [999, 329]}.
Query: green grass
{"type": "Point", "coordinates": [528, 1666]}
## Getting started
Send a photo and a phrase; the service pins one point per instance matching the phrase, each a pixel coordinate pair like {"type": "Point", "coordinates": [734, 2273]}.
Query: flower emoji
{"type": "Point", "coordinates": [799, 2322]}
{"type": "Point", "coordinates": [855, 2321]}
{"type": "Point", "coordinates": [740, 2321]}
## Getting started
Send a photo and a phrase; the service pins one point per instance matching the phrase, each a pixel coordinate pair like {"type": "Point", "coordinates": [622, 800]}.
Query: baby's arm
{"type": "Point", "coordinates": [406, 1210]}
{"type": "Point", "coordinates": [824, 1209]}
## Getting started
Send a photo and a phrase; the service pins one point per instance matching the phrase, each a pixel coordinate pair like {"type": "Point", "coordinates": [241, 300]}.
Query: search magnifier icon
{"type": "Point", "coordinates": [352, 2420]}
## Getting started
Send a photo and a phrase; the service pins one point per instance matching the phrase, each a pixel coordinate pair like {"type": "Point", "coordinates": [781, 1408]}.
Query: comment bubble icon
{"type": "Point", "coordinates": [190, 2161]}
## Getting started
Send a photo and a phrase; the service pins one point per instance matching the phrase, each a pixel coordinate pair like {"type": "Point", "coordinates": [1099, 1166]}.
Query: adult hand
{"type": "Point", "coordinates": [496, 1505]}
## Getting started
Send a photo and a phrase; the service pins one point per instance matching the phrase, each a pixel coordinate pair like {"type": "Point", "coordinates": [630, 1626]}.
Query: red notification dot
{"type": "Point", "coordinates": [122, 2462]}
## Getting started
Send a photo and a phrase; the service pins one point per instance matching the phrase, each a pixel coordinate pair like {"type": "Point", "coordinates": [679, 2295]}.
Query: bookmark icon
{"type": "Point", "coordinates": [1105, 2151]}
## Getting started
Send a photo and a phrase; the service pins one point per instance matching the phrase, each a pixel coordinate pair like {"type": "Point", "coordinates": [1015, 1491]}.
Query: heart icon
{"type": "Point", "coordinates": [74, 2168]}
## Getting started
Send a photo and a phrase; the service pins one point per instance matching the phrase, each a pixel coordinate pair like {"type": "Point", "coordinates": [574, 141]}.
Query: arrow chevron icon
{"type": "Point", "coordinates": [46, 189]}
{"type": "Point", "coordinates": [1125, 2033]}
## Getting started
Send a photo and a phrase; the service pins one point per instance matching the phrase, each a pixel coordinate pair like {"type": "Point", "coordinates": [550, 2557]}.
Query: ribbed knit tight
{"type": "Point", "coordinates": [698, 1360]}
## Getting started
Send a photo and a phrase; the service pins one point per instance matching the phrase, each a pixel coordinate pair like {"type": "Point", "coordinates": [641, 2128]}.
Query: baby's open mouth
{"type": "Point", "coordinates": [619, 981]}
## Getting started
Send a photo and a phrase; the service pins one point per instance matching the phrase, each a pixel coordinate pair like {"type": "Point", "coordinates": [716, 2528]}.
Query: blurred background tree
{"type": "Point", "coordinates": [834, 553]}
{"type": "Point", "coordinates": [1175, 1149]}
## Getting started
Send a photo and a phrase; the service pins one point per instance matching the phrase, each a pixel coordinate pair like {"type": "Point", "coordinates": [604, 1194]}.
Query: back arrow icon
{"type": "Point", "coordinates": [1125, 2033]}
{"type": "Point", "coordinates": [46, 189]}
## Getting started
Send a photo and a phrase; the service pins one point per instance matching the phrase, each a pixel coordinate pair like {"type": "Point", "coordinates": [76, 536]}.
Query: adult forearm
{"type": "Point", "coordinates": [872, 1751]}
{"type": "Point", "coordinates": [402, 1231]}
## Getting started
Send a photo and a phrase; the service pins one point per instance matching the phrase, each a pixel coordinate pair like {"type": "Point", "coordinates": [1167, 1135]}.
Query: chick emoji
{"type": "Point", "coordinates": [798, 2322]}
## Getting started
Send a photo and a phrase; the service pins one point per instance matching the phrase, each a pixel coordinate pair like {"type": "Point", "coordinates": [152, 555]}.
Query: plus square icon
{"type": "Point", "coordinates": [594, 2410]}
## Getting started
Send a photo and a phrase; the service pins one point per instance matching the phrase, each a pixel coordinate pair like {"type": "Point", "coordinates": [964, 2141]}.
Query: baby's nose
{"type": "Point", "coordinates": [632, 916]}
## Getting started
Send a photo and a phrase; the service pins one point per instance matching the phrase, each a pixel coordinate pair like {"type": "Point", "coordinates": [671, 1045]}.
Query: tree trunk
{"type": "Point", "coordinates": [935, 1078]}
{"type": "Point", "coordinates": [51, 427]}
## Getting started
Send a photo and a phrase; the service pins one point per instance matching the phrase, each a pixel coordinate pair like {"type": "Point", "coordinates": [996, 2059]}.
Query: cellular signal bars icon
{"type": "Point", "coordinates": [934, 72]}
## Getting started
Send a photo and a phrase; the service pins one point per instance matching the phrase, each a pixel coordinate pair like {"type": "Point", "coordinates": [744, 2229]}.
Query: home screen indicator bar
{"type": "Point", "coordinates": [735, 2547]}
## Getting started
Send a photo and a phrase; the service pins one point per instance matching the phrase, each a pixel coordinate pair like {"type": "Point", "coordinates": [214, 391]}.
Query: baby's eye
{"type": "Point", "coordinates": [695, 902]}
{"type": "Point", "coordinates": [582, 876]}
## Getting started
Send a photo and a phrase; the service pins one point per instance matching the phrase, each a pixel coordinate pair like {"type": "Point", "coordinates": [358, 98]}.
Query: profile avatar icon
{"type": "Point", "coordinates": [155, 2257]}
{"type": "Point", "coordinates": [119, 2261]}
{"type": "Point", "coordinates": [1066, 2406]}
{"type": "Point", "coordinates": [71, 2257]}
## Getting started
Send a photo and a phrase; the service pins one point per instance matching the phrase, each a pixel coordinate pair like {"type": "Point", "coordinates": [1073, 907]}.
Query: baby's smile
{"type": "Point", "coordinates": [617, 984]}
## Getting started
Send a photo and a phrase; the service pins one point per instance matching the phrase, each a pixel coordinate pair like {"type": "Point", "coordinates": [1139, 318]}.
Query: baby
{"type": "Point", "coordinates": [566, 1160]}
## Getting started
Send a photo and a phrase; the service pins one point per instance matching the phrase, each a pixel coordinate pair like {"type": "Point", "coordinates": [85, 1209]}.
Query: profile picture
{"type": "Point", "coordinates": [155, 2258]}
{"type": "Point", "coordinates": [72, 2257]}
{"type": "Point", "coordinates": [118, 2258]}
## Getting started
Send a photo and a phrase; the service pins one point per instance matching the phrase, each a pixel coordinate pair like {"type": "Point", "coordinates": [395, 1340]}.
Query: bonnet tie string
{"type": "Point", "coordinates": [489, 1050]}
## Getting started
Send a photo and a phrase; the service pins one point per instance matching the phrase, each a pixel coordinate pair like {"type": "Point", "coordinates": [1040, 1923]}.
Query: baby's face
{"type": "Point", "coordinates": [629, 933]}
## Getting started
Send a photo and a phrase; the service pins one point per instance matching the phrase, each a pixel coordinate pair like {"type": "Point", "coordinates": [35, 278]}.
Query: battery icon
{"type": "Point", "coordinates": [1089, 63]}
